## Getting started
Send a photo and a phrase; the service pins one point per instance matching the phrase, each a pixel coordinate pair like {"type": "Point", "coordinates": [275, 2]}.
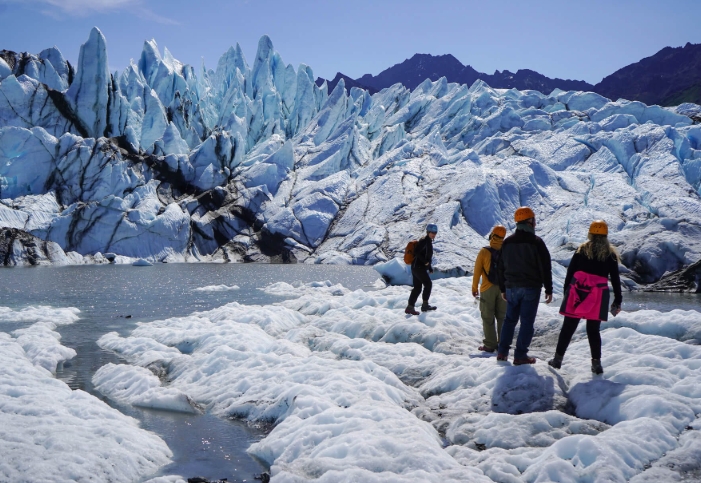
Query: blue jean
{"type": "Point", "coordinates": [521, 303]}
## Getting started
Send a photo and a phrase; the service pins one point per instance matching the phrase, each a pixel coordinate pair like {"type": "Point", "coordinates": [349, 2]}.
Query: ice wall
{"type": "Point", "coordinates": [165, 161]}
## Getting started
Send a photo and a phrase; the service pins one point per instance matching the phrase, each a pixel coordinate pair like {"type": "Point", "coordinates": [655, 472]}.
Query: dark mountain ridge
{"type": "Point", "coordinates": [420, 67]}
{"type": "Point", "coordinates": [670, 77]}
{"type": "Point", "coordinates": [350, 83]}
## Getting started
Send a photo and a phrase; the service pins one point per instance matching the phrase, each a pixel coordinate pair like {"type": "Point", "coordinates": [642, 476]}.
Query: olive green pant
{"type": "Point", "coordinates": [492, 306]}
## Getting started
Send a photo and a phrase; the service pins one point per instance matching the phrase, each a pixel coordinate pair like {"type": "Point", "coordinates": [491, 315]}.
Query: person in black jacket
{"type": "Point", "coordinates": [524, 267]}
{"type": "Point", "coordinates": [595, 257]}
{"type": "Point", "coordinates": [420, 269]}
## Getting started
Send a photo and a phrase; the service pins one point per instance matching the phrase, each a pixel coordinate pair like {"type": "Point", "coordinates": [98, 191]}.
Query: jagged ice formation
{"type": "Point", "coordinates": [258, 163]}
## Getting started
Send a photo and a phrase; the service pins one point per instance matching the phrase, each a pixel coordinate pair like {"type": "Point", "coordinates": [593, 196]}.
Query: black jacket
{"type": "Point", "coordinates": [609, 267]}
{"type": "Point", "coordinates": [423, 253]}
{"type": "Point", "coordinates": [525, 262]}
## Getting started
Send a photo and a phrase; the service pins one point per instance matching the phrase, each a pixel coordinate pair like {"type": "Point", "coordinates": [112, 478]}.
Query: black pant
{"type": "Point", "coordinates": [421, 279]}
{"type": "Point", "coordinates": [569, 326]}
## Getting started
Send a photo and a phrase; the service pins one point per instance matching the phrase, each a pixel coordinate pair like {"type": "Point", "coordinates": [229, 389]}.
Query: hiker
{"type": "Point", "coordinates": [524, 267]}
{"type": "Point", "coordinates": [420, 268]}
{"type": "Point", "coordinates": [491, 304]}
{"type": "Point", "coordinates": [587, 293]}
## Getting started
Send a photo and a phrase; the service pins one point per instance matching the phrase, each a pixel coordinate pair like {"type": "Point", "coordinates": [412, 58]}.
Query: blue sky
{"type": "Point", "coordinates": [573, 39]}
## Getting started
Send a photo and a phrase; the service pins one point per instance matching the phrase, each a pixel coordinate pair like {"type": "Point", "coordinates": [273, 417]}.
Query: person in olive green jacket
{"type": "Point", "coordinates": [492, 305]}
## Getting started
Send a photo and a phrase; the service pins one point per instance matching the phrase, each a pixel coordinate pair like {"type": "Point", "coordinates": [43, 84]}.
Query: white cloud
{"type": "Point", "coordinates": [83, 8]}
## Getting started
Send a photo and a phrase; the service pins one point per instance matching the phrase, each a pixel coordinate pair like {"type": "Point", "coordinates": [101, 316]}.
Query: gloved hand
{"type": "Point", "coordinates": [475, 293]}
{"type": "Point", "coordinates": [615, 309]}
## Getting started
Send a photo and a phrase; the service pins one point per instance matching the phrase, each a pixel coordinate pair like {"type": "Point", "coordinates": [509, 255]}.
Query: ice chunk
{"type": "Point", "coordinates": [58, 316]}
{"type": "Point", "coordinates": [139, 387]}
{"type": "Point", "coordinates": [368, 441]}
{"type": "Point", "coordinates": [216, 288]}
{"type": "Point", "coordinates": [618, 453]}
{"type": "Point", "coordinates": [617, 121]}
{"type": "Point", "coordinates": [315, 213]}
{"type": "Point", "coordinates": [524, 430]}
{"type": "Point", "coordinates": [677, 324]}
{"type": "Point", "coordinates": [581, 101]}
{"type": "Point", "coordinates": [395, 271]}
{"type": "Point", "coordinates": [42, 345]}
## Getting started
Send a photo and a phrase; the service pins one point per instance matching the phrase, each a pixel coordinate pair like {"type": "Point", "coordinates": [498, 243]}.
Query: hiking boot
{"type": "Point", "coordinates": [410, 310]}
{"type": "Point", "coordinates": [484, 348]}
{"type": "Point", "coordinates": [556, 361]}
{"type": "Point", "coordinates": [425, 307]}
{"type": "Point", "coordinates": [502, 357]}
{"type": "Point", "coordinates": [596, 366]}
{"type": "Point", "coordinates": [524, 360]}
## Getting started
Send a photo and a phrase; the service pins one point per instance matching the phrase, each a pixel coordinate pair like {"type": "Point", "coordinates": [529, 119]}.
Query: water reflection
{"type": "Point", "coordinates": [203, 445]}
{"type": "Point", "coordinates": [662, 301]}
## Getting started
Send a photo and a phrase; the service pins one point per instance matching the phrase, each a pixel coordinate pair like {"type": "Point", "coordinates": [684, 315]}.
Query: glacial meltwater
{"type": "Point", "coordinates": [113, 298]}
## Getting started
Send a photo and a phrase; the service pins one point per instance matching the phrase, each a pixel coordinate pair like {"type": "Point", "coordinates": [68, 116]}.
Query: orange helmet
{"type": "Point", "coordinates": [523, 213]}
{"type": "Point", "coordinates": [499, 231]}
{"type": "Point", "coordinates": [599, 227]}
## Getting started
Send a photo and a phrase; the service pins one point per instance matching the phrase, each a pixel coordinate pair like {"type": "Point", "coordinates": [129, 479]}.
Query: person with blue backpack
{"type": "Point", "coordinates": [492, 306]}
{"type": "Point", "coordinates": [421, 256]}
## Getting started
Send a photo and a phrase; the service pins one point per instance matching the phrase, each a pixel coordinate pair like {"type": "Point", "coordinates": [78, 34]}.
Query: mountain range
{"type": "Point", "coordinates": [670, 77]}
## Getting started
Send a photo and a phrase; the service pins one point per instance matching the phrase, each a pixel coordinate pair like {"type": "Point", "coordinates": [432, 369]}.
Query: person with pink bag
{"type": "Point", "coordinates": [587, 293]}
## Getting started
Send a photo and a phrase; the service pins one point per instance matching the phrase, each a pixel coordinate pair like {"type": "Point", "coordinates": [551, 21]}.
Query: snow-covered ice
{"type": "Point", "coordinates": [41, 313]}
{"type": "Point", "coordinates": [49, 432]}
{"type": "Point", "coordinates": [166, 162]}
{"type": "Point", "coordinates": [216, 288]}
{"type": "Point", "coordinates": [293, 289]}
{"type": "Point", "coordinates": [355, 390]}
{"type": "Point", "coordinates": [40, 341]}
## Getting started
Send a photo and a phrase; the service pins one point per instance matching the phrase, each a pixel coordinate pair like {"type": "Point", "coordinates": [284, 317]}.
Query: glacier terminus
{"type": "Point", "coordinates": [166, 162]}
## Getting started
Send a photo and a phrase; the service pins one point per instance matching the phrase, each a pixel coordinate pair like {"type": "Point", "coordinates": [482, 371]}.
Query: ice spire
{"type": "Point", "coordinates": [150, 58]}
{"type": "Point", "coordinates": [305, 103]}
{"type": "Point", "coordinates": [226, 69]}
{"type": "Point", "coordinates": [262, 71]}
{"type": "Point", "coordinates": [88, 94]}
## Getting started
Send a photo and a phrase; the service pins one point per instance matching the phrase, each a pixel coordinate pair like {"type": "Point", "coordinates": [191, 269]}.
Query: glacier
{"type": "Point", "coordinates": [167, 162]}
{"type": "Point", "coordinates": [356, 391]}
